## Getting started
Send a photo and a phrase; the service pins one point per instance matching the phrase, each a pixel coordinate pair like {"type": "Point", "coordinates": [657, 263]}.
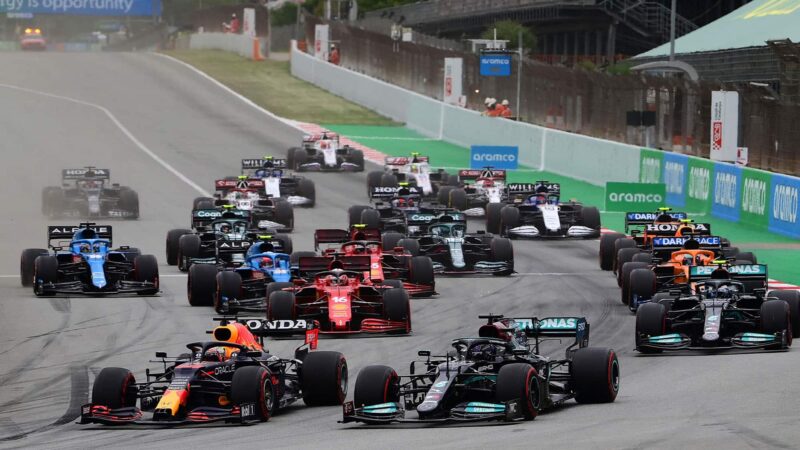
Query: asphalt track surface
{"type": "Point", "coordinates": [52, 348]}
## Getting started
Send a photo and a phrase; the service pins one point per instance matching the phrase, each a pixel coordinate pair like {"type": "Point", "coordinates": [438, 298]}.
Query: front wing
{"type": "Point", "coordinates": [386, 413]}
{"type": "Point", "coordinates": [243, 414]}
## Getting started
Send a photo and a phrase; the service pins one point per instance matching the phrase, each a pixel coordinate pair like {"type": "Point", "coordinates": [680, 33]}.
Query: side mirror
{"type": "Point", "coordinates": [424, 353]}
{"type": "Point", "coordinates": [519, 352]}
{"type": "Point", "coordinates": [161, 354]}
{"type": "Point", "coordinates": [253, 354]}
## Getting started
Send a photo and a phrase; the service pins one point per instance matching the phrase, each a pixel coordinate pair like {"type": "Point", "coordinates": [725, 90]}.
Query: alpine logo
{"type": "Point", "coordinates": [784, 205]}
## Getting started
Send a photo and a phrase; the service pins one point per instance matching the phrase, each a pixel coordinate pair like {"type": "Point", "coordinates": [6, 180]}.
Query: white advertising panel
{"type": "Point", "coordinates": [724, 125]}
{"type": "Point", "coordinates": [321, 41]}
{"type": "Point", "coordinates": [453, 76]}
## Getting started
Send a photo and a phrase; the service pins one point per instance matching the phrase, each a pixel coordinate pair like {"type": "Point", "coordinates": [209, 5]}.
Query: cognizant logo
{"type": "Point", "coordinates": [784, 205]}
{"type": "Point", "coordinates": [754, 196]}
{"type": "Point", "coordinates": [493, 157]}
{"type": "Point", "coordinates": [631, 197]}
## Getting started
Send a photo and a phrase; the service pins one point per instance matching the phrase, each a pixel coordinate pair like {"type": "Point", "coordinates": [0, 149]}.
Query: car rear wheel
{"type": "Point", "coordinates": [253, 385]}
{"type": "Point", "coordinates": [201, 284]}
{"type": "Point", "coordinates": [509, 218]}
{"type": "Point", "coordinates": [519, 381]}
{"type": "Point", "coordinates": [502, 251]}
{"type": "Point", "coordinates": [624, 256]}
{"type": "Point", "coordinates": [26, 264]}
{"type": "Point", "coordinates": [607, 249]}
{"type": "Point", "coordinates": [443, 196]}
{"type": "Point", "coordinates": [595, 375]}
{"type": "Point", "coordinates": [188, 248]}
{"type": "Point", "coordinates": [410, 245]}
{"type": "Point", "coordinates": [300, 158]}
{"type": "Point", "coordinates": [354, 214]}
{"type": "Point", "coordinates": [371, 218]}
{"type": "Point", "coordinates": [458, 199]}
{"type": "Point", "coordinates": [229, 286]}
{"type": "Point", "coordinates": [294, 258]}
{"type": "Point", "coordinates": [590, 218]}
{"type": "Point", "coordinates": [129, 201]}
{"type": "Point", "coordinates": [374, 180]}
{"type": "Point", "coordinates": [357, 158]}
{"type": "Point", "coordinates": [389, 180]}
{"type": "Point", "coordinates": [324, 378]}
{"type": "Point", "coordinates": [115, 387]}
{"type": "Point", "coordinates": [642, 285]}
{"type": "Point", "coordinates": [375, 385]}
{"type": "Point", "coordinates": [390, 239]}
{"type": "Point", "coordinates": [284, 214]}
{"type": "Point", "coordinates": [306, 188]}
{"type": "Point", "coordinates": [619, 244]}
{"type": "Point", "coordinates": [173, 242]}
{"type": "Point", "coordinates": [626, 271]}
{"type": "Point", "coordinates": [493, 217]}
{"type": "Point", "coordinates": [421, 270]}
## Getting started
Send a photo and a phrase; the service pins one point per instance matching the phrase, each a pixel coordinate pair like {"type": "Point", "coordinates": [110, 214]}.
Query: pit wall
{"type": "Point", "coordinates": [754, 197]}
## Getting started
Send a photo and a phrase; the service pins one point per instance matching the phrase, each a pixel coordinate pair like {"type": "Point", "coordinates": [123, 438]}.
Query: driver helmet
{"type": "Point", "coordinates": [552, 200]}
{"type": "Point", "coordinates": [537, 199]}
{"type": "Point", "coordinates": [399, 202]}
{"type": "Point", "coordinates": [725, 292]}
{"type": "Point", "coordinates": [266, 261]}
{"type": "Point", "coordinates": [225, 228]}
{"type": "Point", "coordinates": [687, 260]}
{"type": "Point", "coordinates": [488, 183]}
{"type": "Point", "coordinates": [90, 184]}
{"type": "Point", "coordinates": [414, 168]}
{"type": "Point", "coordinates": [98, 247]}
{"type": "Point", "coordinates": [214, 354]}
{"type": "Point", "coordinates": [484, 352]}
{"type": "Point", "coordinates": [85, 248]}
{"type": "Point", "coordinates": [261, 173]}
{"type": "Point", "coordinates": [343, 280]}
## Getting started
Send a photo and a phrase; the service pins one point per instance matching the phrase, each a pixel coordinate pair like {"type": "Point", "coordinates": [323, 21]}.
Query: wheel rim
{"type": "Point", "coordinates": [267, 387]}
{"type": "Point", "coordinates": [343, 382]}
{"type": "Point", "coordinates": [614, 375]}
{"type": "Point", "coordinates": [533, 394]}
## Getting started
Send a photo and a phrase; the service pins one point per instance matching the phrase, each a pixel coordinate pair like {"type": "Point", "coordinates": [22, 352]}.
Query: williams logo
{"type": "Point", "coordinates": [754, 196]}
{"type": "Point", "coordinates": [784, 205]}
{"type": "Point", "coordinates": [699, 183]}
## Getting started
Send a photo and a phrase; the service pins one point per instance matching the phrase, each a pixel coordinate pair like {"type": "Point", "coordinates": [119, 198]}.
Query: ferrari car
{"type": "Point", "coordinates": [499, 375]}
{"type": "Point", "coordinates": [721, 312]}
{"type": "Point", "coordinates": [414, 170]}
{"type": "Point", "coordinates": [232, 379]}
{"type": "Point", "coordinates": [249, 194]}
{"type": "Point", "coordinates": [87, 193]}
{"type": "Point", "coordinates": [297, 190]}
{"type": "Point", "coordinates": [536, 210]}
{"type": "Point", "coordinates": [343, 302]}
{"type": "Point", "coordinates": [32, 39]}
{"type": "Point", "coordinates": [83, 262]}
{"type": "Point", "coordinates": [400, 209]}
{"type": "Point", "coordinates": [323, 152]}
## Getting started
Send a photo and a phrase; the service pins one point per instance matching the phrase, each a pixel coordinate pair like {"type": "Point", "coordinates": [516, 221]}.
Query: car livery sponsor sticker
{"type": "Point", "coordinates": [747, 269]}
{"type": "Point", "coordinates": [680, 241]}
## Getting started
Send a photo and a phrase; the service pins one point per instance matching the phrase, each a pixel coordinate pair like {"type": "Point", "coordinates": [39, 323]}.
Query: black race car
{"type": "Point", "coordinates": [232, 379]}
{"type": "Point", "coordinates": [498, 375]}
{"type": "Point", "coordinates": [83, 262]}
{"type": "Point", "coordinates": [87, 193]}
{"type": "Point", "coordinates": [324, 153]}
{"type": "Point", "coordinates": [535, 210]}
{"type": "Point", "coordinates": [400, 209]}
{"type": "Point", "coordinates": [724, 311]}
{"type": "Point", "coordinates": [248, 194]}
{"type": "Point", "coordinates": [299, 191]}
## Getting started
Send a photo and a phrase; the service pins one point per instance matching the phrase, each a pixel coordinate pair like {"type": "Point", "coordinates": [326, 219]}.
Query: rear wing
{"type": "Point", "coordinates": [242, 183]}
{"type": "Point", "coordinates": [404, 160]}
{"type": "Point", "coordinates": [86, 172]}
{"type": "Point", "coordinates": [66, 232]}
{"type": "Point", "coordinates": [330, 236]}
{"type": "Point", "coordinates": [671, 243]}
{"type": "Point", "coordinates": [273, 163]}
{"type": "Point", "coordinates": [554, 327]}
{"type": "Point", "coordinates": [316, 137]}
{"type": "Point", "coordinates": [472, 174]}
{"type": "Point", "coordinates": [752, 276]}
{"type": "Point", "coordinates": [391, 191]}
{"type": "Point", "coordinates": [669, 229]}
{"type": "Point", "coordinates": [644, 218]}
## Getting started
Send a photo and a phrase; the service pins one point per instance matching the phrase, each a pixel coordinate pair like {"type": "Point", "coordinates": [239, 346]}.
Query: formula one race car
{"type": "Point", "coordinates": [87, 193]}
{"type": "Point", "coordinates": [400, 209]}
{"type": "Point", "coordinates": [343, 302]}
{"type": "Point", "coordinates": [720, 313]}
{"type": "Point", "coordinates": [231, 379]}
{"type": "Point", "coordinates": [414, 170]}
{"type": "Point", "coordinates": [324, 153]}
{"type": "Point", "coordinates": [32, 39]}
{"type": "Point", "coordinates": [475, 190]}
{"type": "Point", "coordinates": [248, 194]}
{"type": "Point", "coordinates": [499, 375]}
{"type": "Point", "coordinates": [298, 191]}
{"type": "Point", "coordinates": [88, 265]}
{"type": "Point", "coordinates": [536, 210]}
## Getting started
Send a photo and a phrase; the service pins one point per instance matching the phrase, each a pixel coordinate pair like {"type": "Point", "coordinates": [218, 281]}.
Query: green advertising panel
{"type": "Point", "coordinates": [635, 196]}
{"type": "Point", "coordinates": [651, 162]}
{"type": "Point", "coordinates": [755, 205]}
{"type": "Point", "coordinates": [698, 191]}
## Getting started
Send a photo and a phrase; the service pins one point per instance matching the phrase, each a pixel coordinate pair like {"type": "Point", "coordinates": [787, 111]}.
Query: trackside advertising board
{"type": "Point", "coordinates": [784, 205]}
{"type": "Point", "coordinates": [495, 64]}
{"type": "Point", "coordinates": [634, 196]}
{"type": "Point", "coordinates": [82, 7]}
{"type": "Point", "coordinates": [499, 157]}
{"type": "Point", "coordinates": [675, 176]}
{"type": "Point", "coordinates": [727, 191]}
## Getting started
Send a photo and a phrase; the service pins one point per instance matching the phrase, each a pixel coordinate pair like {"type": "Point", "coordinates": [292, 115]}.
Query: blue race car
{"type": "Point", "coordinates": [246, 287]}
{"type": "Point", "coordinates": [84, 262]}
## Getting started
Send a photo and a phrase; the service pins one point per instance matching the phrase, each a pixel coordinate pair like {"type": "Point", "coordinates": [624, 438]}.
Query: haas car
{"type": "Point", "coordinates": [248, 194]}
{"type": "Point", "coordinates": [415, 171]}
{"type": "Point", "coordinates": [498, 375]}
{"type": "Point", "coordinates": [87, 193]}
{"type": "Point", "coordinates": [475, 189]}
{"type": "Point", "coordinates": [232, 379]}
{"type": "Point", "coordinates": [299, 191]}
{"type": "Point", "coordinates": [323, 152]}
{"type": "Point", "coordinates": [82, 261]}
{"type": "Point", "coordinates": [342, 302]}
{"type": "Point", "coordinates": [729, 307]}
{"type": "Point", "coordinates": [536, 210]}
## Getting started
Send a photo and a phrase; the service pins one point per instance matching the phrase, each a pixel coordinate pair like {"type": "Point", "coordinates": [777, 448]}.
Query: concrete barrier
{"type": "Point", "coordinates": [246, 46]}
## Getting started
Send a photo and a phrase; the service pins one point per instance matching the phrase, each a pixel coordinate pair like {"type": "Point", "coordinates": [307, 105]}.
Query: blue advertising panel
{"type": "Point", "coordinates": [83, 7]}
{"type": "Point", "coordinates": [675, 171]}
{"type": "Point", "coordinates": [499, 157]}
{"type": "Point", "coordinates": [727, 193]}
{"type": "Point", "coordinates": [783, 210]}
{"type": "Point", "coordinates": [496, 65]}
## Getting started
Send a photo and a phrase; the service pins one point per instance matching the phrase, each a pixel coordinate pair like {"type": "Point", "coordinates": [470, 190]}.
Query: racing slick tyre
{"type": "Point", "coordinates": [519, 381]}
{"type": "Point", "coordinates": [281, 306]}
{"type": "Point", "coordinates": [290, 156]}
{"type": "Point", "coordinates": [396, 305]}
{"type": "Point", "coordinates": [196, 203]}
{"type": "Point", "coordinates": [253, 384]}
{"type": "Point", "coordinates": [300, 158]}
{"type": "Point", "coordinates": [745, 258]}
{"type": "Point", "coordinates": [324, 378]}
{"type": "Point", "coordinates": [374, 180]}
{"type": "Point", "coordinates": [664, 298]}
{"type": "Point", "coordinates": [376, 385]}
{"type": "Point", "coordinates": [509, 218]}
{"type": "Point", "coordinates": [129, 201]}
{"type": "Point", "coordinates": [277, 286]}
{"type": "Point", "coordinates": [644, 257]}
{"type": "Point", "coordinates": [625, 274]}
{"type": "Point", "coordinates": [651, 320]}
{"type": "Point", "coordinates": [357, 158]}
{"type": "Point", "coordinates": [188, 247]}
{"type": "Point", "coordinates": [131, 253]}
{"type": "Point", "coordinates": [730, 252]}
{"type": "Point", "coordinates": [173, 244]}
{"type": "Point", "coordinates": [493, 217]}
{"type": "Point", "coordinates": [595, 375]}
{"type": "Point", "coordinates": [624, 256]}
{"type": "Point", "coordinates": [443, 196]}
{"type": "Point", "coordinates": [775, 318]}
{"type": "Point", "coordinates": [390, 239]}
{"type": "Point", "coordinates": [590, 218]}
{"type": "Point", "coordinates": [229, 285]}
{"type": "Point", "coordinates": [389, 180]}
{"type": "Point", "coordinates": [306, 188]}
{"type": "Point", "coordinates": [410, 245]}
{"type": "Point", "coordinates": [421, 270]}
{"type": "Point", "coordinates": [793, 299]}
{"type": "Point", "coordinates": [642, 284]}
{"type": "Point", "coordinates": [393, 283]}
{"type": "Point", "coordinates": [145, 269]}
{"type": "Point", "coordinates": [51, 198]}
{"type": "Point", "coordinates": [202, 284]}
{"type": "Point", "coordinates": [607, 249]}
{"type": "Point", "coordinates": [286, 241]}
{"type": "Point", "coordinates": [458, 199]}
{"type": "Point", "coordinates": [115, 387]}
{"type": "Point", "coordinates": [294, 257]}
{"type": "Point", "coordinates": [284, 214]}
{"type": "Point", "coordinates": [26, 264]}
{"type": "Point", "coordinates": [619, 244]}
{"type": "Point", "coordinates": [371, 218]}
{"type": "Point", "coordinates": [502, 251]}
{"type": "Point", "coordinates": [354, 214]}
{"type": "Point", "coordinates": [45, 270]}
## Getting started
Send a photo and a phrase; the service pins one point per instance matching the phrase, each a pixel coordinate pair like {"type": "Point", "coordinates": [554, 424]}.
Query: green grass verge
{"type": "Point", "coordinates": [270, 85]}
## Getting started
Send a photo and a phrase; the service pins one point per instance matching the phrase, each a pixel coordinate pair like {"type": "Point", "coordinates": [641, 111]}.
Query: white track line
{"type": "Point", "coordinates": [122, 128]}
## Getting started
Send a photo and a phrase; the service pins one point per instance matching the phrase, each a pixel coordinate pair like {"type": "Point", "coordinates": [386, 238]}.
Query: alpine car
{"type": "Point", "coordinates": [324, 153]}
{"type": "Point", "coordinates": [498, 375]}
{"type": "Point", "coordinates": [400, 209]}
{"type": "Point", "coordinates": [536, 210]}
{"type": "Point", "coordinates": [231, 379]}
{"type": "Point", "coordinates": [475, 190]}
{"type": "Point", "coordinates": [32, 39]}
{"type": "Point", "coordinates": [722, 312]}
{"type": "Point", "coordinates": [87, 193]}
{"type": "Point", "coordinates": [299, 191]}
{"type": "Point", "coordinates": [343, 302]}
{"type": "Point", "coordinates": [83, 262]}
{"type": "Point", "coordinates": [248, 194]}
{"type": "Point", "coordinates": [414, 170]}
